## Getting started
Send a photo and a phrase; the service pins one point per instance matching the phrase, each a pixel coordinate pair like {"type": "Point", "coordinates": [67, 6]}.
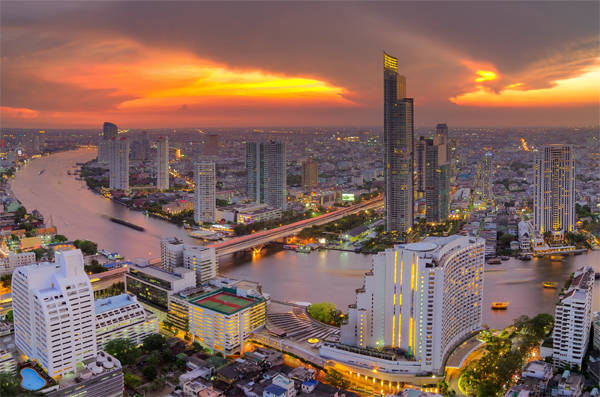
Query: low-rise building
{"type": "Point", "coordinates": [253, 213]}
{"type": "Point", "coordinates": [14, 260]}
{"type": "Point", "coordinates": [8, 364]}
{"type": "Point", "coordinates": [569, 385]}
{"type": "Point", "coordinates": [274, 390]}
{"type": "Point", "coordinates": [285, 383]}
{"type": "Point", "coordinates": [122, 316]}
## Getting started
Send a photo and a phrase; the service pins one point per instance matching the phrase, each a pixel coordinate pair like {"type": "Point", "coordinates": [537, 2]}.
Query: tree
{"type": "Point", "coordinates": [154, 342]}
{"type": "Point", "coordinates": [9, 316]}
{"type": "Point", "coordinates": [39, 253]}
{"type": "Point", "coordinates": [9, 384]}
{"type": "Point", "coordinates": [86, 246]}
{"type": "Point", "coordinates": [325, 312]}
{"type": "Point", "coordinates": [5, 280]}
{"type": "Point", "coordinates": [131, 381]}
{"type": "Point", "coordinates": [149, 372]}
{"type": "Point", "coordinates": [336, 379]}
{"type": "Point", "coordinates": [59, 238]}
{"type": "Point", "coordinates": [180, 364]}
{"type": "Point", "coordinates": [154, 358]}
{"type": "Point", "coordinates": [123, 350]}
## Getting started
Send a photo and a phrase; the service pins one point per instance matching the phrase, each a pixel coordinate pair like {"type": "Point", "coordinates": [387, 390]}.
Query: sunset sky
{"type": "Point", "coordinates": [199, 64]}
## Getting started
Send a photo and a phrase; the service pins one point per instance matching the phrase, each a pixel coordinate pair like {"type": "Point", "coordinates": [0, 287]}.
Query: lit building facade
{"type": "Point", "coordinates": [398, 131]}
{"type": "Point", "coordinates": [171, 253]}
{"type": "Point", "coordinates": [53, 308]}
{"type": "Point", "coordinates": [573, 320]}
{"type": "Point", "coordinates": [221, 319]}
{"type": "Point", "coordinates": [554, 192]}
{"type": "Point", "coordinates": [422, 298]}
{"type": "Point", "coordinates": [119, 163]}
{"type": "Point", "coordinates": [204, 195]}
{"type": "Point", "coordinates": [122, 316]}
{"type": "Point", "coordinates": [486, 176]}
{"type": "Point", "coordinates": [162, 163]}
{"type": "Point", "coordinates": [109, 131]}
{"type": "Point", "coordinates": [266, 175]}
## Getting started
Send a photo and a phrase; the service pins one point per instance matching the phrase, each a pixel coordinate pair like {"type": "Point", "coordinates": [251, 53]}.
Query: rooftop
{"type": "Point", "coordinates": [113, 302]}
{"type": "Point", "coordinates": [276, 390]}
{"type": "Point", "coordinates": [159, 273]}
{"type": "Point", "coordinates": [224, 301]}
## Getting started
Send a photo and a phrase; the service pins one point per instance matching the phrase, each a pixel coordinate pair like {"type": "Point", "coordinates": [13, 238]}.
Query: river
{"type": "Point", "coordinates": [331, 276]}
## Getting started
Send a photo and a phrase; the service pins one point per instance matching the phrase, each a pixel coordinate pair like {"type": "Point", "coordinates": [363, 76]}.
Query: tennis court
{"type": "Point", "coordinates": [224, 302]}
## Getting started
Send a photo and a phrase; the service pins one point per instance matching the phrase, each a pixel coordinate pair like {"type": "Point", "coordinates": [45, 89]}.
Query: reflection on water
{"type": "Point", "coordinates": [318, 276]}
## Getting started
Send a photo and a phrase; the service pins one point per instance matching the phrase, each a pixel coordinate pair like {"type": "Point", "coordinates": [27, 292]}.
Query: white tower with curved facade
{"type": "Point", "coordinates": [420, 299]}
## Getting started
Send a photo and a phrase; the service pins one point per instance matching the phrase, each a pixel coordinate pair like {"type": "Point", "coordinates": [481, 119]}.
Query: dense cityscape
{"type": "Point", "coordinates": [393, 259]}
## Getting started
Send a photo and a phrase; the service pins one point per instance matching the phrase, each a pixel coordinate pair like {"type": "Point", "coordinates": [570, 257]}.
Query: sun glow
{"type": "Point", "coordinates": [485, 75]}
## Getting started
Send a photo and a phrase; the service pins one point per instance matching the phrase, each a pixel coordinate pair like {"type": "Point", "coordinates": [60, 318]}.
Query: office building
{"type": "Point", "coordinates": [398, 131]}
{"type": "Point", "coordinates": [554, 191]}
{"type": "Point", "coordinates": [418, 302]}
{"type": "Point", "coordinates": [211, 145]}
{"type": "Point", "coordinates": [486, 172]}
{"type": "Point", "coordinates": [266, 175]}
{"type": "Point", "coordinates": [221, 319]}
{"type": "Point", "coordinates": [204, 195]}
{"type": "Point", "coordinates": [202, 261]}
{"type": "Point", "coordinates": [310, 174]}
{"type": "Point", "coordinates": [119, 163]}
{"type": "Point", "coordinates": [162, 163]}
{"type": "Point", "coordinates": [109, 131]}
{"type": "Point", "coordinates": [171, 253]}
{"type": "Point", "coordinates": [123, 317]}
{"type": "Point", "coordinates": [53, 308]}
{"type": "Point", "coordinates": [441, 140]}
{"type": "Point", "coordinates": [573, 320]}
{"type": "Point", "coordinates": [152, 286]}
{"type": "Point", "coordinates": [432, 182]}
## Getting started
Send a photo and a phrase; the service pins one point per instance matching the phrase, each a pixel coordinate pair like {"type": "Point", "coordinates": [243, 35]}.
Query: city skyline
{"type": "Point", "coordinates": [456, 58]}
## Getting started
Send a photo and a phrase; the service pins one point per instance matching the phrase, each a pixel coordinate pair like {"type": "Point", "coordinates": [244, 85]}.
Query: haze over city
{"type": "Point", "coordinates": [198, 64]}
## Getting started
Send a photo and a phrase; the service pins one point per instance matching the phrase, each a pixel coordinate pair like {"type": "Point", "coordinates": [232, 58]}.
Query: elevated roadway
{"type": "Point", "coordinates": [263, 237]}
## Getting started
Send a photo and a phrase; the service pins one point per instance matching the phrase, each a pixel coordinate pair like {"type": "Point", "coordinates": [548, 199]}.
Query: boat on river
{"type": "Point", "coordinates": [556, 258]}
{"type": "Point", "coordinates": [494, 261]}
{"type": "Point", "coordinates": [549, 284]}
{"type": "Point", "coordinates": [304, 249]}
{"type": "Point", "coordinates": [128, 224]}
{"type": "Point", "coordinates": [499, 305]}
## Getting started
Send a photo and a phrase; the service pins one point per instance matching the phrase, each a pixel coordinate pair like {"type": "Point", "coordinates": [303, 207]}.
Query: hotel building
{"type": "Point", "coordinates": [221, 319]}
{"type": "Point", "coordinates": [53, 306]}
{"type": "Point", "coordinates": [171, 253]}
{"type": "Point", "coordinates": [573, 320]}
{"type": "Point", "coordinates": [202, 261]}
{"type": "Point", "coordinates": [554, 192]}
{"type": "Point", "coordinates": [418, 302]}
{"type": "Point", "coordinates": [398, 155]}
{"type": "Point", "coordinates": [310, 174]}
{"type": "Point", "coordinates": [122, 316]}
{"type": "Point", "coordinates": [119, 163]}
{"type": "Point", "coordinates": [204, 195]}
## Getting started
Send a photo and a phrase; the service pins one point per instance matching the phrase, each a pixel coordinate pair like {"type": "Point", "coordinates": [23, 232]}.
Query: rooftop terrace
{"type": "Point", "coordinates": [224, 301]}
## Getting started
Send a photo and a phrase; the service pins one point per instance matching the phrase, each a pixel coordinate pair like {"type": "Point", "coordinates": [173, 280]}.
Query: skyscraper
{"type": "Point", "coordinates": [54, 315]}
{"type": "Point", "coordinates": [109, 131]}
{"type": "Point", "coordinates": [202, 260]}
{"type": "Point", "coordinates": [432, 182]}
{"type": "Point", "coordinates": [204, 195]}
{"type": "Point", "coordinates": [398, 130]}
{"type": "Point", "coordinates": [554, 192]}
{"type": "Point", "coordinates": [441, 139]}
{"type": "Point", "coordinates": [420, 164]}
{"type": "Point", "coordinates": [423, 298]}
{"type": "Point", "coordinates": [310, 174]}
{"type": "Point", "coordinates": [171, 253]}
{"type": "Point", "coordinates": [162, 163]}
{"type": "Point", "coordinates": [119, 163]}
{"type": "Point", "coordinates": [211, 145]}
{"type": "Point", "coordinates": [266, 177]}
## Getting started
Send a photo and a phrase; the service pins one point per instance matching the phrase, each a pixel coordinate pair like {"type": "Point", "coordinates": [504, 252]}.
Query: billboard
{"type": "Point", "coordinates": [347, 196]}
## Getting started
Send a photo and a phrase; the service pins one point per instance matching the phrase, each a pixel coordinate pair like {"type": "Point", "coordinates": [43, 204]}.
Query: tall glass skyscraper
{"type": "Point", "coordinates": [266, 177]}
{"type": "Point", "coordinates": [398, 131]}
{"type": "Point", "coordinates": [162, 163]}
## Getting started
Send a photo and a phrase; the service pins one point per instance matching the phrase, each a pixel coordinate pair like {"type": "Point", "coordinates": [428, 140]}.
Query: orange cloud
{"type": "Point", "coordinates": [583, 89]}
{"type": "Point", "coordinates": [18, 113]}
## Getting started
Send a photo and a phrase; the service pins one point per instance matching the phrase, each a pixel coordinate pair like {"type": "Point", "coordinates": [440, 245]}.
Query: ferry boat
{"type": "Point", "coordinates": [42, 171]}
{"type": "Point", "coordinates": [556, 257]}
{"type": "Point", "coordinates": [292, 247]}
{"type": "Point", "coordinates": [549, 284]}
{"type": "Point", "coordinates": [494, 261]}
{"type": "Point", "coordinates": [499, 305]}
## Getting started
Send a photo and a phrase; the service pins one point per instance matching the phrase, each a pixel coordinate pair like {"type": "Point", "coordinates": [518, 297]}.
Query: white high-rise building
{"type": "Point", "coordinates": [573, 320]}
{"type": "Point", "coordinates": [53, 307]}
{"type": "Point", "coordinates": [162, 163]}
{"type": "Point", "coordinates": [266, 175]}
{"type": "Point", "coordinates": [119, 163]}
{"type": "Point", "coordinates": [204, 195]}
{"type": "Point", "coordinates": [202, 260]}
{"type": "Point", "coordinates": [554, 193]}
{"type": "Point", "coordinates": [171, 253]}
{"type": "Point", "coordinates": [421, 298]}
